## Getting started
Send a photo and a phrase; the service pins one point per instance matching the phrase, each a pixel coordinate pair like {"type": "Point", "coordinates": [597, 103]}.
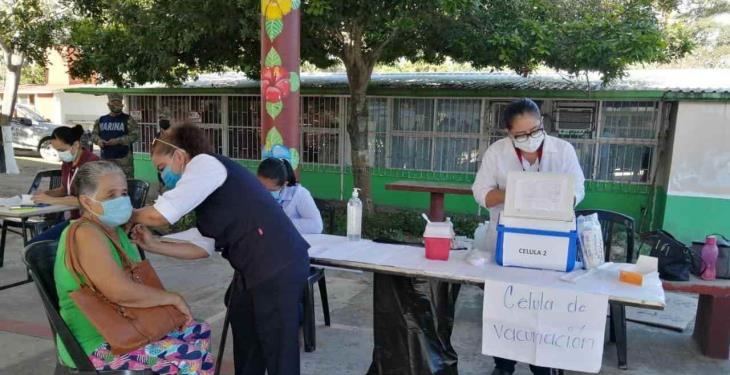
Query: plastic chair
{"type": "Point", "coordinates": [325, 208]}
{"type": "Point", "coordinates": [28, 228]}
{"type": "Point", "coordinates": [316, 276]}
{"type": "Point", "coordinates": [137, 190]}
{"type": "Point", "coordinates": [609, 221]}
{"type": "Point", "coordinates": [40, 258]}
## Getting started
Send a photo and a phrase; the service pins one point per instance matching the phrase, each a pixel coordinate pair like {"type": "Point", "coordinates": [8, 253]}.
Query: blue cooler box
{"type": "Point", "coordinates": [536, 243]}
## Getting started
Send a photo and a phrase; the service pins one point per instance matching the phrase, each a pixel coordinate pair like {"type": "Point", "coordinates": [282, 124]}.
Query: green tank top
{"type": "Point", "coordinates": [85, 333]}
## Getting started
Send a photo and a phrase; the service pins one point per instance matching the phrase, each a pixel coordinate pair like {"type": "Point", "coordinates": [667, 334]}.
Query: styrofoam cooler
{"type": "Point", "coordinates": [535, 243]}
{"type": "Point", "coordinates": [438, 237]}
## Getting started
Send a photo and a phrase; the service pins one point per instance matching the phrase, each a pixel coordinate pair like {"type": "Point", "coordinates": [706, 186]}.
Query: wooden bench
{"type": "Point", "coordinates": [712, 323]}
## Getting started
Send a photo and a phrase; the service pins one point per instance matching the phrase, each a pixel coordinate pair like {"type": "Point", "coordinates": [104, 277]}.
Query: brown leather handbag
{"type": "Point", "coordinates": [124, 328]}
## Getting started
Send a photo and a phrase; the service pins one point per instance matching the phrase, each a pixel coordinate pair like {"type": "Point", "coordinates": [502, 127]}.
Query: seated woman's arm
{"type": "Point", "coordinates": [143, 238]}
{"type": "Point", "coordinates": [310, 219]}
{"type": "Point", "coordinates": [95, 257]}
{"type": "Point", "coordinates": [56, 196]}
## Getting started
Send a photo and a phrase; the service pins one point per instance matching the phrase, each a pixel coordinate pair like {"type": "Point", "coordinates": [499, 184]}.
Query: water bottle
{"type": "Point", "coordinates": [709, 258]}
{"type": "Point", "coordinates": [480, 237]}
{"type": "Point", "coordinates": [354, 216]}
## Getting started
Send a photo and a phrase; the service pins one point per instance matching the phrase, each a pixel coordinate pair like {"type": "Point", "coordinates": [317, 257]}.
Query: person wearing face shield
{"type": "Point", "coordinates": [526, 148]}
{"type": "Point", "coordinates": [251, 230]}
{"type": "Point", "coordinates": [115, 133]}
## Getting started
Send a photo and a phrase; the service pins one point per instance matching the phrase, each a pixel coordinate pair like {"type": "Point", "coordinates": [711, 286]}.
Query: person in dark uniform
{"type": "Point", "coordinates": [115, 133]}
{"type": "Point", "coordinates": [253, 233]}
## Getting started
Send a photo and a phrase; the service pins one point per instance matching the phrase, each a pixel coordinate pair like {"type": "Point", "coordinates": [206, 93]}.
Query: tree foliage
{"type": "Point", "coordinates": [138, 41]}
{"type": "Point", "coordinates": [29, 27]}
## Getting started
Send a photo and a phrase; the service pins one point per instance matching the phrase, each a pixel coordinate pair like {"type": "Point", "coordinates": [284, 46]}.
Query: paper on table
{"type": "Point", "coordinates": [11, 201]}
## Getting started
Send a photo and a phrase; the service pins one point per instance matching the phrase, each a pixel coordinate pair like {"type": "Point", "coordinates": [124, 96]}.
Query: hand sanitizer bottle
{"type": "Point", "coordinates": [354, 216]}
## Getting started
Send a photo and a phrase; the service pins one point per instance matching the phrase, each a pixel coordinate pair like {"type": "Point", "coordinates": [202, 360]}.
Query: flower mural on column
{"type": "Point", "coordinates": [277, 82]}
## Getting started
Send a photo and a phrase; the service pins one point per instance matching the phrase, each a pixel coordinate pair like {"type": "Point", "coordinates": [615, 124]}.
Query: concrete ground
{"type": "Point", "coordinates": [343, 348]}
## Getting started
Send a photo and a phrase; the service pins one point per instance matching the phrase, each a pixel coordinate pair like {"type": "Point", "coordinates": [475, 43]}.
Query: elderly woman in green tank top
{"type": "Point", "coordinates": [102, 191]}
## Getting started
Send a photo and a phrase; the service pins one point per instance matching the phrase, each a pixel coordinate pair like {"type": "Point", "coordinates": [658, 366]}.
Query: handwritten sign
{"type": "Point", "coordinates": [544, 326]}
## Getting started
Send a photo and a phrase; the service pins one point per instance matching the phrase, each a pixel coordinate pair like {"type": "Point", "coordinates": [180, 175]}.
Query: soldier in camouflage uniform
{"type": "Point", "coordinates": [115, 133]}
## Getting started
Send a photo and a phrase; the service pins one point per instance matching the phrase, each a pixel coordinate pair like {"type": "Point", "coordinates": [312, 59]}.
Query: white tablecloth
{"type": "Point", "coordinates": [410, 261]}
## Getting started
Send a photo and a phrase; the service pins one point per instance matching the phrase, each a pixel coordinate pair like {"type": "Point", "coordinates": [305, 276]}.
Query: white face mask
{"type": "Point", "coordinates": [66, 156]}
{"type": "Point", "coordinates": [531, 144]}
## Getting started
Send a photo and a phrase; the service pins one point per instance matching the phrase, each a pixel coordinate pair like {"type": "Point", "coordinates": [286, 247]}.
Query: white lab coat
{"type": "Point", "coordinates": [558, 156]}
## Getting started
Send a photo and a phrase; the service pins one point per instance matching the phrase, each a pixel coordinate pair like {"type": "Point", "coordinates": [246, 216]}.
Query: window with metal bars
{"type": "Point", "coordinates": [321, 123]}
{"type": "Point", "coordinates": [244, 127]}
{"type": "Point", "coordinates": [143, 109]}
{"type": "Point", "coordinates": [627, 141]}
{"type": "Point", "coordinates": [204, 111]}
{"type": "Point", "coordinates": [439, 135]}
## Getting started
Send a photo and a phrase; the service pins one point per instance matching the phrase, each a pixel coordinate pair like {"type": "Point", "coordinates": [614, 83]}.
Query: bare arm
{"type": "Point", "coordinates": [494, 197]}
{"type": "Point", "coordinates": [63, 201]}
{"type": "Point", "coordinates": [148, 216]}
{"type": "Point", "coordinates": [143, 238]}
{"type": "Point", "coordinates": [56, 192]}
{"type": "Point", "coordinates": [95, 257]}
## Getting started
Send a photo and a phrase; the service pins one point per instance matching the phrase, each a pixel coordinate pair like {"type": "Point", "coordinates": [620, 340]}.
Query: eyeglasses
{"type": "Point", "coordinates": [166, 143]}
{"type": "Point", "coordinates": [533, 134]}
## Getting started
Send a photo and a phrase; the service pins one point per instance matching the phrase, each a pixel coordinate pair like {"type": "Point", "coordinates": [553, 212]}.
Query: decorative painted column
{"type": "Point", "coordinates": [280, 79]}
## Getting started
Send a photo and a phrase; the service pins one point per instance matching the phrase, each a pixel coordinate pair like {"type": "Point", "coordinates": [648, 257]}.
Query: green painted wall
{"type": "Point", "coordinates": [325, 182]}
{"type": "Point", "coordinates": [692, 218]}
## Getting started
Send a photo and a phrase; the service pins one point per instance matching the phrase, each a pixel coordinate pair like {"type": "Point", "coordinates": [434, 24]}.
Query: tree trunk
{"type": "Point", "coordinates": [10, 94]}
{"type": "Point", "coordinates": [357, 127]}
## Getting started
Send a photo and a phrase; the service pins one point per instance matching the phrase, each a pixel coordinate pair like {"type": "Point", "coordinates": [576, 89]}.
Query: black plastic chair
{"type": "Point", "coordinates": [29, 228]}
{"type": "Point", "coordinates": [40, 258]}
{"type": "Point", "coordinates": [326, 209]}
{"type": "Point", "coordinates": [609, 222]}
{"type": "Point", "coordinates": [137, 190]}
{"type": "Point", "coordinates": [316, 276]}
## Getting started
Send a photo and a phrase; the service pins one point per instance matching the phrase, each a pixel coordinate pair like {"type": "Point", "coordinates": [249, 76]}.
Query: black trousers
{"type": "Point", "coordinates": [265, 322]}
{"type": "Point", "coordinates": [509, 366]}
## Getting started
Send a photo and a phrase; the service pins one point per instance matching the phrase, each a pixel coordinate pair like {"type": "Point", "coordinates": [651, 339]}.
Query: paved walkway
{"type": "Point", "coordinates": [343, 348]}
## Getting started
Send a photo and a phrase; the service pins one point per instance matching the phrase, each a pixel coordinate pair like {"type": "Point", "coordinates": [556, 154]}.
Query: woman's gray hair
{"type": "Point", "coordinates": [87, 178]}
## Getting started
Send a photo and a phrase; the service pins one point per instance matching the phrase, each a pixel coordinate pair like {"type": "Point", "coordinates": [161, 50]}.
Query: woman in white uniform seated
{"type": "Point", "coordinates": [278, 177]}
{"type": "Point", "coordinates": [527, 148]}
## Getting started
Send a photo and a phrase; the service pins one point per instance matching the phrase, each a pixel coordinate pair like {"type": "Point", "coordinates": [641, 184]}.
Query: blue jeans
{"type": "Point", "coordinates": [52, 233]}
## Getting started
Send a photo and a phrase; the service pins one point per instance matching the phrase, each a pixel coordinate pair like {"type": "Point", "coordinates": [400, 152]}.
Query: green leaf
{"type": "Point", "coordinates": [294, 158]}
{"type": "Point", "coordinates": [293, 82]}
{"type": "Point", "coordinates": [274, 108]}
{"type": "Point", "coordinates": [295, 5]}
{"type": "Point", "coordinates": [272, 58]}
{"type": "Point", "coordinates": [274, 28]}
{"type": "Point", "coordinates": [273, 137]}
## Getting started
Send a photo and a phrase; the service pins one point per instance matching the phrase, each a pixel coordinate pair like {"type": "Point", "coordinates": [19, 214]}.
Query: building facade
{"type": "Point", "coordinates": [650, 146]}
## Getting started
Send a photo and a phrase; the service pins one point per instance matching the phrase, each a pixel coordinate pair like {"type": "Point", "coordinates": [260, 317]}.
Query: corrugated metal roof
{"type": "Point", "coordinates": [674, 83]}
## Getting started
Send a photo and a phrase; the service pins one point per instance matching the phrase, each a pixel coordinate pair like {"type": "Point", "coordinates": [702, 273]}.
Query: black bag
{"type": "Point", "coordinates": [674, 258]}
{"type": "Point", "coordinates": [723, 257]}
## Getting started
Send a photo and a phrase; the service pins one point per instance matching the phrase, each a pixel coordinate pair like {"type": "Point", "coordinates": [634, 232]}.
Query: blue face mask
{"type": "Point", "coordinates": [170, 178]}
{"type": "Point", "coordinates": [117, 211]}
{"type": "Point", "coordinates": [276, 195]}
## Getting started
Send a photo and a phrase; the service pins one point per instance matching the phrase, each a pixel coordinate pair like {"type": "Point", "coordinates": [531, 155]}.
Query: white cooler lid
{"type": "Point", "coordinates": [439, 230]}
{"type": "Point", "coordinates": [540, 224]}
{"type": "Point", "coordinates": [539, 195]}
